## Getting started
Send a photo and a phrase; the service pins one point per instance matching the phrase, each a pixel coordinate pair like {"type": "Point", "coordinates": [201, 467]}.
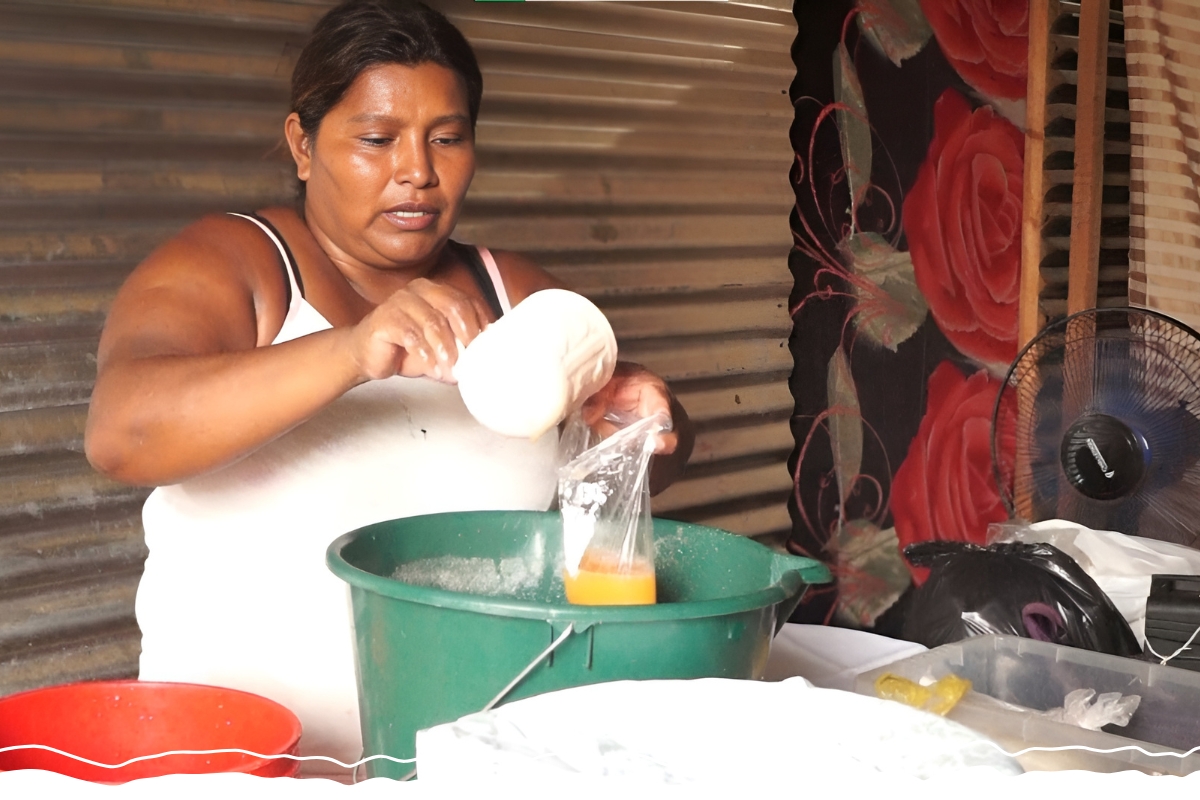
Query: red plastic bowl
{"type": "Point", "coordinates": [112, 721]}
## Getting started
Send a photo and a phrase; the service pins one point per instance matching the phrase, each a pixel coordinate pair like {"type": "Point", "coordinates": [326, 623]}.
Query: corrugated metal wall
{"type": "Point", "coordinates": [638, 152]}
{"type": "Point", "coordinates": [120, 121]}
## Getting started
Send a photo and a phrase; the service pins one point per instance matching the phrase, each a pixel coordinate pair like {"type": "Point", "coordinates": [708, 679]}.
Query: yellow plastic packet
{"type": "Point", "coordinates": [939, 698]}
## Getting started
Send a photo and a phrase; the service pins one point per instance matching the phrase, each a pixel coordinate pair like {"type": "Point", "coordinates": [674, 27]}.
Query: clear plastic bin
{"type": "Point", "coordinates": [1037, 676]}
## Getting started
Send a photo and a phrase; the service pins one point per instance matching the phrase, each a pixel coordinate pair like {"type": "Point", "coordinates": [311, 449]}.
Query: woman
{"type": "Point", "coordinates": [285, 377]}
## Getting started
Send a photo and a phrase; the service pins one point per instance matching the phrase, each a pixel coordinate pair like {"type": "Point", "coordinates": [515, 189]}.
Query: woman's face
{"type": "Point", "coordinates": [389, 167]}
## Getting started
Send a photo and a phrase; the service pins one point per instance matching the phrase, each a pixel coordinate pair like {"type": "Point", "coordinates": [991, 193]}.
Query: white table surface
{"type": "Point", "coordinates": [827, 657]}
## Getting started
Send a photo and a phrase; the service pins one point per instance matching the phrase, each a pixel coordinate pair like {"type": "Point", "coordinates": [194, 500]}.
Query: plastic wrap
{"type": "Point", "coordinates": [604, 498]}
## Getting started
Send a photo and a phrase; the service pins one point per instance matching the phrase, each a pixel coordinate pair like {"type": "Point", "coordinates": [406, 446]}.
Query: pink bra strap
{"type": "Point", "coordinates": [494, 273]}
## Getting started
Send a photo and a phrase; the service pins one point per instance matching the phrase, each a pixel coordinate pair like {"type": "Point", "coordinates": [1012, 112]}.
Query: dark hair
{"type": "Point", "coordinates": [359, 34]}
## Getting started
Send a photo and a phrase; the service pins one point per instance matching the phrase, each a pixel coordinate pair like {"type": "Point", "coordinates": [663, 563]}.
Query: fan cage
{"type": "Point", "coordinates": [1136, 365]}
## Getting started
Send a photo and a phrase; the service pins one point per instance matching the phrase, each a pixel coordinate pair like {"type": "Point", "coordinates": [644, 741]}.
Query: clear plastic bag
{"type": "Point", "coordinates": [604, 499]}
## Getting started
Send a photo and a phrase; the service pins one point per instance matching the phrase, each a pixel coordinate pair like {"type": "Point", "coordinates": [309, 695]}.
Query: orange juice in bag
{"type": "Point", "coordinates": [601, 582]}
{"type": "Point", "coordinates": [604, 498]}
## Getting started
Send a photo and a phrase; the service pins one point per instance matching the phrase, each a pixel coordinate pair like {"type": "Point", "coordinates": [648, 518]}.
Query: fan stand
{"type": "Point", "coordinates": [1079, 363]}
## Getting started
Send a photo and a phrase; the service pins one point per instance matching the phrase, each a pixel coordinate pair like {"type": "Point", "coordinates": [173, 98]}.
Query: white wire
{"type": "Point", "coordinates": [1165, 659]}
{"type": "Point", "coordinates": [1066, 747]}
{"type": "Point", "coordinates": [1017, 754]}
{"type": "Point", "coordinates": [201, 753]}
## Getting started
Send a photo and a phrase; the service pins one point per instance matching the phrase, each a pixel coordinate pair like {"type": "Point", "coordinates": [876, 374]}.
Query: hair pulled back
{"type": "Point", "coordinates": [359, 34]}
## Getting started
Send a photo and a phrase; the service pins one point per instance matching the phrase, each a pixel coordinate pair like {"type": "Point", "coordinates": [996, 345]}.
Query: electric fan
{"type": "Point", "coordinates": [1098, 422]}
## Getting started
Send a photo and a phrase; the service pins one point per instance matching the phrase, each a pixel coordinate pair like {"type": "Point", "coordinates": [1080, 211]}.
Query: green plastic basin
{"type": "Point", "coordinates": [426, 656]}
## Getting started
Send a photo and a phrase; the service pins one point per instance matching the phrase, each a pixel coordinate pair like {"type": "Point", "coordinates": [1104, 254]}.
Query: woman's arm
{"type": "Point", "coordinates": [182, 386]}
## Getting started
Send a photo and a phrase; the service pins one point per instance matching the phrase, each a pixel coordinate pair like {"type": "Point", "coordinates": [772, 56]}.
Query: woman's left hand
{"type": "Point", "coordinates": [636, 392]}
{"type": "Point", "coordinates": [633, 393]}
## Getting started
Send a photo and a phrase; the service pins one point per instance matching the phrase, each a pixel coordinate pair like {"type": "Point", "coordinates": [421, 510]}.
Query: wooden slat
{"type": "Point", "coordinates": [1030, 320]}
{"type": "Point", "coordinates": [1089, 158]}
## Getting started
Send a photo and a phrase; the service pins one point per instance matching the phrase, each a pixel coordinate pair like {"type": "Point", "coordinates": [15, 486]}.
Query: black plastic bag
{"type": "Point", "coordinates": [1035, 591]}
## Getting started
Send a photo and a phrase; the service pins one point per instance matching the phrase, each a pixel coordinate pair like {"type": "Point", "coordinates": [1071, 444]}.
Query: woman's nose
{"type": "Point", "coordinates": [414, 164]}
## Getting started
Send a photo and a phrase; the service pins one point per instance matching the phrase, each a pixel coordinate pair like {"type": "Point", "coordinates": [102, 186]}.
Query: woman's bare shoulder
{"type": "Point", "coordinates": [522, 277]}
{"type": "Point", "coordinates": [219, 273]}
{"type": "Point", "coordinates": [221, 246]}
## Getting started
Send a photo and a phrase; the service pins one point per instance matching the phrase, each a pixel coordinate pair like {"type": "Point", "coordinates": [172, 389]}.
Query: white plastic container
{"type": "Point", "coordinates": [1037, 676]}
{"type": "Point", "coordinates": [535, 365]}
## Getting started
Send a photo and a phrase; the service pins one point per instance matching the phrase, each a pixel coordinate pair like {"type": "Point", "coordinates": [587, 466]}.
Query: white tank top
{"type": "Point", "coordinates": [235, 590]}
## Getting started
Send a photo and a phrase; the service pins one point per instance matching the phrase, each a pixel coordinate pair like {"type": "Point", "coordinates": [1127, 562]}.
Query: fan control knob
{"type": "Point", "coordinates": [1103, 457]}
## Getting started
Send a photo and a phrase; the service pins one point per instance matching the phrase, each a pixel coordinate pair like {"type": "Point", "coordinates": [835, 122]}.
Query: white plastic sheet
{"type": "Point", "coordinates": [699, 732]}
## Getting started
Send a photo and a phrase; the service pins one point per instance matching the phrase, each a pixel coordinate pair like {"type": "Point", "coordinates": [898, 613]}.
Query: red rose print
{"type": "Point", "coordinates": [986, 41]}
{"type": "Point", "coordinates": [946, 489]}
{"type": "Point", "coordinates": [962, 218]}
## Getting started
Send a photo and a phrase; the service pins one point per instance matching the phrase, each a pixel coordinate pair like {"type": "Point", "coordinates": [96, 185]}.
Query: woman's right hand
{"type": "Point", "coordinates": [413, 332]}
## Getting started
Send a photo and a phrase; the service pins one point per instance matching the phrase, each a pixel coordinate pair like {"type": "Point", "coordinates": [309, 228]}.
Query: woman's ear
{"type": "Point", "coordinates": [300, 143]}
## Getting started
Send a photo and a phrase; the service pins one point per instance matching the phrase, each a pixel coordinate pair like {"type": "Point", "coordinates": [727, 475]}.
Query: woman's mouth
{"type": "Point", "coordinates": [411, 216]}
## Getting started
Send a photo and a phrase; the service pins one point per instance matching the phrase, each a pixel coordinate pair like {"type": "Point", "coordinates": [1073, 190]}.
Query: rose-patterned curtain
{"type": "Point", "coordinates": [1163, 63]}
{"type": "Point", "coordinates": [908, 177]}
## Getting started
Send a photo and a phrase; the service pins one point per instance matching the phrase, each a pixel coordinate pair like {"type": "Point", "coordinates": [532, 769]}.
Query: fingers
{"type": "Point", "coordinates": [426, 321]}
{"type": "Point", "coordinates": [466, 316]}
{"type": "Point", "coordinates": [665, 444]}
{"type": "Point", "coordinates": [632, 392]}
